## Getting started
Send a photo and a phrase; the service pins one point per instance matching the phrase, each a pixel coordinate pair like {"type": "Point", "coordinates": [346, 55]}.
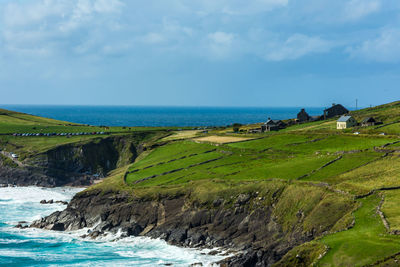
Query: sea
{"type": "Point", "coordinates": [36, 247]}
{"type": "Point", "coordinates": [162, 116]}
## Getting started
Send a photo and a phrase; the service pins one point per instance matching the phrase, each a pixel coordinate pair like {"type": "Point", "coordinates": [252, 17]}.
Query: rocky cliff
{"type": "Point", "coordinates": [73, 164]}
{"type": "Point", "coordinates": [254, 225]}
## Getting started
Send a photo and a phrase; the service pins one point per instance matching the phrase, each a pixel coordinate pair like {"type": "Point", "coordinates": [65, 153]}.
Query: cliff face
{"type": "Point", "coordinates": [244, 225]}
{"type": "Point", "coordinates": [73, 164]}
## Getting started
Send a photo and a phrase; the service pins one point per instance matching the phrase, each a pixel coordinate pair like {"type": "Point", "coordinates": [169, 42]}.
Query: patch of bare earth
{"type": "Point", "coordinates": [221, 139]}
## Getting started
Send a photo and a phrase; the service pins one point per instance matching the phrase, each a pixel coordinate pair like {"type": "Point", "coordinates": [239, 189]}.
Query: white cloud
{"type": "Point", "coordinates": [153, 38]}
{"type": "Point", "coordinates": [229, 7]}
{"type": "Point", "coordinates": [357, 9]}
{"type": "Point", "coordinates": [239, 7]}
{"type": "Point", "coordinates": [296, 46]}
{"type": "Point", "coordinates": [221, 38]}
{"type": "Point", "coordinates": [384, 48]}
{"type": "Point", "coordinates": [220, 44]}
{"type": "Point", "coordinates": [51, 25]}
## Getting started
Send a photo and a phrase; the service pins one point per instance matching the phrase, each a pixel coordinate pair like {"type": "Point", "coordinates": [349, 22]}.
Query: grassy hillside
{"type": "Point", "coordinates": [359, 167]}
{"type": "Point", "coordinates": [310, 162]}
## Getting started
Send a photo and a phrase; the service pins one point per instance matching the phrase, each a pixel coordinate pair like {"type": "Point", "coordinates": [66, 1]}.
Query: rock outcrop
{"type": "Point", "coordinates": [245, 225]}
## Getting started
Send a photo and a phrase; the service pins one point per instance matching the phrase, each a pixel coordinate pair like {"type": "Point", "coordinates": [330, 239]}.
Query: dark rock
{"type": "Point", "coordinates": [21, 226]}
{"type": "Point", "coordinates": [213, 252]}
{"type": "Point", "coordinates": [217, 203]}
{"type": "Point", "coordinates": [43, 201]}
{"type": "Point", "coordinates": [62, 202]}
{"type": "Point", "coordinates": [177, 236]}
{"type": "Point", "coordinates": [135, 230]}
{"type": "Point", "coordinates": [242, 199]}
{"type": "Point", "coordinates": [58, 227]}
{"type": "Point", "coordinates": [95, 234]}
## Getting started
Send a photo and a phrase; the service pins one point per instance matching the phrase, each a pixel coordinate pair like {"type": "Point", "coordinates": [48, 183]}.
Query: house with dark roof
{"type": "Point", "coordinates": [368, 122]}
{"type": "Point", "coordinates": [303, 116]}
{"type": "Point", "coordinates": [273, 125]}
{"type": "Point", "coordinates": [335, 110]}
{"type": "Point", "coordinates": [345, 122]}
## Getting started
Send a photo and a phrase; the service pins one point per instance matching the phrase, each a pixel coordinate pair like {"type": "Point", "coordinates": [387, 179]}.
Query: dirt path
{"type": "Point", "coordinates": [16, 161]}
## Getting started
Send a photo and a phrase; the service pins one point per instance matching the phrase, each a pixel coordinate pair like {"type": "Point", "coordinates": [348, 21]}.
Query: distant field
{"type": "Point", "coordinates": [182, 135]}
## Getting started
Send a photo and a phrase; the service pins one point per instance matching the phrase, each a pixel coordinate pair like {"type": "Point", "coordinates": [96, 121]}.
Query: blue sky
{"type": "Point", "coordinates": [200, 53]}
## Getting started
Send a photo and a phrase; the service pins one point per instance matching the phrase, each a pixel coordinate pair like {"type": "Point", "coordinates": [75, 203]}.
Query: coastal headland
{"type": "Point", "coordinates": [306, 194]}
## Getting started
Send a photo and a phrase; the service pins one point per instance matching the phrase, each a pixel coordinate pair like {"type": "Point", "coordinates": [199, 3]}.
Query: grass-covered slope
{"type": "Point", "coordinates": [361, 167]}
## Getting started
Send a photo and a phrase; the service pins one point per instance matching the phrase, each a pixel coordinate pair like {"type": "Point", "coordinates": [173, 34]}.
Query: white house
{"type": "Point", "coordinates": [346, 122]}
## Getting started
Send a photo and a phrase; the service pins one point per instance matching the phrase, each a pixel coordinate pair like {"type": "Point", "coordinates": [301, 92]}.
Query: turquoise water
{"type": "Point", "coordinates": [35, 247]}
{"type": "Point", "coordinates": [160, 116]}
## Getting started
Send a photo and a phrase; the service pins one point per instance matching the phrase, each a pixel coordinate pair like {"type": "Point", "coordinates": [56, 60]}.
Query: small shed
{"type": "Point", "coordinates": [368, 122]}
{"type": "Point", "coordinates": [345, 122]}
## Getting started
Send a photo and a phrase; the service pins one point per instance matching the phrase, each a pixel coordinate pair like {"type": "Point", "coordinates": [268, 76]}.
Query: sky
{"type": "Point", "coordinates": [263, 53]}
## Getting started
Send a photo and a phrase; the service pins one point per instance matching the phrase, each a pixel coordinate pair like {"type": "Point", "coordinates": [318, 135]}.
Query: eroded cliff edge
{"type": "Point", "coordinates": [262, 223]}
{"type": "Point", "coordinates": [73, 164]}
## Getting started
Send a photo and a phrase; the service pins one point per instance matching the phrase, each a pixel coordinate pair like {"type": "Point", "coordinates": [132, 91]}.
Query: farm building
{"type": "Point", "coordinates": [346, 122]}
{"type": "Point", "coordinates": [303, 116]}
{"type": "Point", "coordinates": [335, 110]}
{"type": "Point", "coordinates": [273, 125]}
{"type": "Point", "coordinates": [368, 122]}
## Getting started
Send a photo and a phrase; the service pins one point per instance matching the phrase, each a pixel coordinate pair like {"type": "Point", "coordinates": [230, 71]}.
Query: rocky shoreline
{"type": "Point", "coordinates": [244, 227]}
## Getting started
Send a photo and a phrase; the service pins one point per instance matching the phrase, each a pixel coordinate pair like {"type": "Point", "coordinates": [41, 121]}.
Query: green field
{"type": "Point", "coordinates": [335, 178]}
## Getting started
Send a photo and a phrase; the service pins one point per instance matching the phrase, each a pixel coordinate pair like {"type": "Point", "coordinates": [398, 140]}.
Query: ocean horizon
{"type": "Point", "coordinates": [155, 116]}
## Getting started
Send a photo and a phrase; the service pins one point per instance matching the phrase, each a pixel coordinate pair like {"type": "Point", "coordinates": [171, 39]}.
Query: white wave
{"type": "Point", "coordinates": [31, 194]}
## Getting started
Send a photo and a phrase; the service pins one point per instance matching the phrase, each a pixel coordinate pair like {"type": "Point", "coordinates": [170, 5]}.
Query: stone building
{"type": "Point", "coordinates": [303, 116]}
{"type": "Point", "coordinates": [368, 122]}
{"type": "Point", "coordinates": [335, 110]}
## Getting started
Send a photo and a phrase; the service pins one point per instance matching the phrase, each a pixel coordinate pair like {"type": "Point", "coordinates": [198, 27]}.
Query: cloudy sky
{"type": "Point", "coordinates": [200, 52]}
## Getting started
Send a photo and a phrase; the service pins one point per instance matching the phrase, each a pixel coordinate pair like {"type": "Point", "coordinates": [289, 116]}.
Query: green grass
{"type": "Point", "coordinates": [172, 151]}
{"type": "Point", "coordinates": [391, 208]}
{"type": "Point", "coordinates": [307, 143]}
{"type": "Point", "coordinates": [273, 141]}
{"type": "Point", "coordinates": [365, 243]}
{"type": "Point", "coordinates": [379, 174]}
{"type": "Point", "coordinates": [347, 163]}
{"type": "Point", "coordinates": [183, 163]}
